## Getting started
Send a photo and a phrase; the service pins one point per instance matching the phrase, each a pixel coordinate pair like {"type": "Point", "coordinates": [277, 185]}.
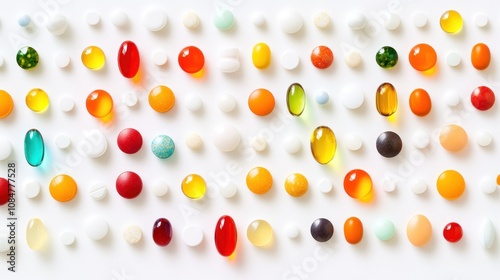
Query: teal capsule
{"type": "Point", "coordinates": [384, 229]}
{"type": "Point", "coordinates": [295, 99]}
{"type": "Point", "coordinates": [34, 149]}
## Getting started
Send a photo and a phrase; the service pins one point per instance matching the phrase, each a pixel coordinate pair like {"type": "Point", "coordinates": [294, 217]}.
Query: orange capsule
{"type": "Point", "coordinates": [420, 102]}
{"type": "Point", "coordinates": [261, 102]}
{"type": "Point", "coordinates": [422, 57]}
{"type": "Point", "coordinates": [480, 56]}
{"type": "Point", "coordinates": [353, 230]}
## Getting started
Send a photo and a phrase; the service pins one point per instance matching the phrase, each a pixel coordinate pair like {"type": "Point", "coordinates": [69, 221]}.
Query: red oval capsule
{"type": "Point", "coordinates": [128, 59]}
{"type": "Point", "coordinates": [225, 236]}
{"type": "Point", "coordinates": [162, 232]}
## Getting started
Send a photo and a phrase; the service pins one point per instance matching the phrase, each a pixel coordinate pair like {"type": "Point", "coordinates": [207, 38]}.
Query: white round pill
{"type": "Point", "coordinates": [226, 137]}
{"type": "Point", "coordinates": [353, 142]}
{"type": "Point", "coordinates": [96, 228]}
{"type": "Point", "coordinates": [190, 19]}
{"type": "Point", "coordinates": [92, 18]}
{"type": "Point", "coordinates": [226, 102]}
{"type": "Point", "coordinates": [293, 144]}
{"type": "Point", "coordinates": [418, 186]}
{"type": "Point", "coordinates": [130, 99]}
{"type": "Point", "coordinates": [258, 143]}
{"type": "Point", "coordinates": [258, 19]}
{"type": "Point", "coordinates": [66, 103]}
{"type": "Point", "coordinates": [67, 238]}
{"type": "Point", "coordinates": [451, 98]}
{"type": "Point", "coordinates": [228, 190]}
{"type": "Point", "coordinates": [481, 20]}
{"type": "Point", "coordinates": [352, 97]}
{"type": "Point", "coordinates": [160, 188]}
{"type": "Point", "coordinates": [159, 57]}
{"type": "Point", "coordinates": [62, 59]}
{"type": "Point", "coordinates": [325, 185]}
{"type": "Point", "coordinates": [95, 144]}
{"type": "Point", "coordinates": [4, 241]}
{"type": "Point", "coordinates": [193, 140]}
{"type": "Point", "coordinates": [132, 234]}
{"type": "Point", "coordinates": [31, 188]}
{"type": "Point", "coordinates": [388, 185]}
{"type": "Point", "coordinates": [420, 140]}
{"type": "Point", "coordinates": [356, 20]}
{"type": "Point", "coordinates": [488, 185]}
{"type": "Point", "coordinates": [98, 190]}
{"type": "Point", "coordinates": [192, 235]}
{"type": "Point", "coordinates": [154, 19]}
{"type": "Point", "coordinates": [193, 103]}
{"type": "Point", "coordinates": [290, 21]}
{"type": "Point", "coordinates": [290, 60]}
{"type": "Point", "coordinates": [419, 19]}
{"type": "Point", "coordinates": [62, 141]}
{"type": "Point", "coordinates": [119, 18]}
{"type": "Point", "coordinates": [453, 59]}
{"type": "Point", "coordinates": [24, 20]}
{"type": "Point", "coordinates": [57, 24]}
{"type": "Point", "coordinates": [393, 22]}
{"type": "Point", "coordinates": [5, 149]}
{"type": "Point", "coordinates": [353, 58]}
{"type": "Point", "coordinates": [321, 19]}
{"type": "Point", "coordinates": [292, 231]}
{"type": "Point", "coordinates": [484, 138]}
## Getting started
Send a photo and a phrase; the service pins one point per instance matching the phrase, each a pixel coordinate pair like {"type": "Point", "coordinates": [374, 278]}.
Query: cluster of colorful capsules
{"type": "Point", "coordinates": [260, 233]}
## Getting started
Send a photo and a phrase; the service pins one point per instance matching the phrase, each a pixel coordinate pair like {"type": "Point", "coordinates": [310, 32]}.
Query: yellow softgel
{"type": "Point", "coordinates": [260, 233]}
{"type": "Point", "coordinates": [451, 22]}
{"type": "Point", "coordinates": [93, 58]}
{"type": "Point", "coordinates": [63, 188]}
{"type": "Point", "coordinates": [296, 184]}
{"type": "Point", "coordinates": [36, 234]}
{"type": "Point", "coordinates": [37, 100]}
{"type": "Point", "coordinates": [194, 186]}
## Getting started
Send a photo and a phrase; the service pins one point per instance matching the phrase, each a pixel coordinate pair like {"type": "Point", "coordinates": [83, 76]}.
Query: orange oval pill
{"type": "Point", "coordinates": [353, 230]}
{"type": "Point", "coordinates": [480, 56]}
{"type": "Point", "coordinates": [420, 102]}
{"type": "Point", "coordinates": [450, 184]}
{"type": "Point", "coordinates": [419, 230]}
{"type": "Point", "coordinates": [261, 102]}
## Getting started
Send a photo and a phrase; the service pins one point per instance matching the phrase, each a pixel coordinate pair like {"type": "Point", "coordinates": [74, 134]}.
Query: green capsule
{"type": "Point", "coordinates": [27, 58]}
{"type": "Point", "coordinates": [295, 99]}
{"type": "Point", "coordinates": [386, 57]}
{"type": "Point", "coordinates": [34, 149]}
{"type": "Point", "coordinates": [386, 99]}
{"type": "Point", "coordinates": [323, 144]}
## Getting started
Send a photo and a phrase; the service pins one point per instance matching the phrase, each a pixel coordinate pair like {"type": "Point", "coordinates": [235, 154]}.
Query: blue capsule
{"type": "Point", "coordinates": [34, 149]}
{"type": "Point", "coordinates": [162, 146]}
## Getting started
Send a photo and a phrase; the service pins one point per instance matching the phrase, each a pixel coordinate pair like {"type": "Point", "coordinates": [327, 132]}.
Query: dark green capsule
{"type": "Point", "coordinates": [34, 149]}
{"type": "Point", "coordinates": [295, 99]}
{"type": "Point", "coordinates": [386, 57]}
{"type": "Point", "coordinates": [27, 58]}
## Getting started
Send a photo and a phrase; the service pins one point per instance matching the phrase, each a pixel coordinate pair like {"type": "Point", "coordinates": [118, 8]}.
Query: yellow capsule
{"type": "Point", "coordinates": [194, 186]}
{"type": "Point", "coordinates": [296, 185]}
{"type": "Point", "coordinates": [451, 22]}
{"type": "Point", "coordinates": [386, 99]}
{"type": "Point", "coordinates": [261, 56]}
{"type": "Point", "coordinates": [37, 100]}
{"type": "Point", "coordinates": [36, 234]}
{"type": "Point", "coordinates": [323, 144]}
{"type": "Point", "coordinates": [260, 233]}
{"type": "Point", "coordinates": [93, 58]}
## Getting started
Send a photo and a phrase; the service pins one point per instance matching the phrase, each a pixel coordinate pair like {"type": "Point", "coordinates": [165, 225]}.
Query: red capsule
{"type": "Point", "coordinates": [129, 141]}
{"type": "Point", "coordinates": [4, 191]}
{"type": "Point", "coordinates": [452, 232]}
{"type": "Point", "coordinates": [128, 59]}
{"type": "Point", "coordinates": [226, 236]}
{"type": "Point", "coordinates": [482, 98]}
{"type": "Point", "coordinates": [162, 232]}
{"type": "Point", "coordinates": [322, 57]}
{"type": "Point", "coordinates": [129, 185]}
{"type": "Point", "coordinates": [191, 59]}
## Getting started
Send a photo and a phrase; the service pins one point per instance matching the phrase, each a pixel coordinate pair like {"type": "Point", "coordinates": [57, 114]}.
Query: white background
{"type": "Point", "coordinates": [371, 259]}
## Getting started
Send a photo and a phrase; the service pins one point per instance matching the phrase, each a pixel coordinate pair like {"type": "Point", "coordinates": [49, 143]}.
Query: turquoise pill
{"type": "Point", "coordinates": [384, 229]}
{"type": "Point", "coordinates": [224, 19]}
{"type": "Point", "coordinates": [34, 149]}
{"type": "Point", "coordinates": [162, 146]}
